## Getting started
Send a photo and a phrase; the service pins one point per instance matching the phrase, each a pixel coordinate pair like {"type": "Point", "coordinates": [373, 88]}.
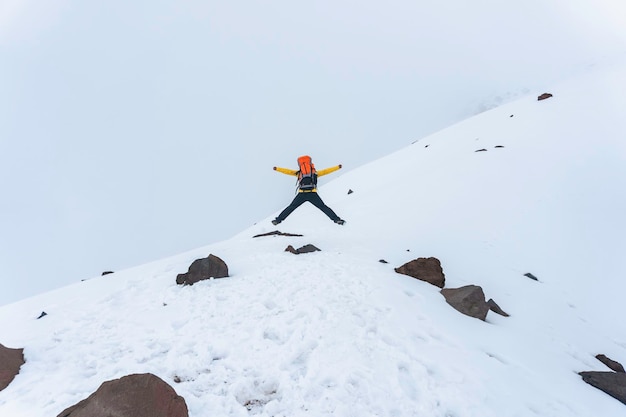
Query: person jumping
{"type": "Point", "coordinates": [307, 189]}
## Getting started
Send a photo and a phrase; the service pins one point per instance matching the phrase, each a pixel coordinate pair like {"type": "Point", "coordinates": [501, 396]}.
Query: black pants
{"type": "Point", "coordinates": [312, 198]}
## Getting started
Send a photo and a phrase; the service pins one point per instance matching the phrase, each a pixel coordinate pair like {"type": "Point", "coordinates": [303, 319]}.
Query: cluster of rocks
{"type": "Point", "coordinates": [469, 300]}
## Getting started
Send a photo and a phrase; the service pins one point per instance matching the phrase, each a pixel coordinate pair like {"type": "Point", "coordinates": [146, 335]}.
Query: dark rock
{"type": "Point", "coordinates": [205, 268]}
{"type": "Point", "coordinates": [544, 96]}
{"type": "Point", "coordinates": [612, 383]}
{"type": "Point", "coordinates": [350, 192]}
{"type": "Point", "coordinates": [493, 306]}
{"type": "Point", "coordinates": [308, 248]}
{"type": "Point", "coordinates": [481, 150]}
{"type": "Point", "coordinates": [11, 360]}
{"type": "Point", "coordinates": [498, 146]}
{"type": "Point", "coordinates": [382, 261]}
{"type": "Point", "coordinates": [613, 365]}
{"type": "Point", "coordinates": [469, 300]}
{"type": "Point", "coordinates": [42, 315]}
{"type": "Point", "coordinates": [531, 276]}
{"type": "Point", "coordinates": [107, 273]}
{"type": "Point", "coordinates": [304, 249]}
{"type": "Point", "coordinates": [277, 233]}
{"type": "Point", "coordinates": [137, 395]}
{"type": "Point", "coordinates": [424, 269]}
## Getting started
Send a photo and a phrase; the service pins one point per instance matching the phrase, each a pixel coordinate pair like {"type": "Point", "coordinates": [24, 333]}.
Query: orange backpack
{"type": "Point", "coordinates": [307, 175]}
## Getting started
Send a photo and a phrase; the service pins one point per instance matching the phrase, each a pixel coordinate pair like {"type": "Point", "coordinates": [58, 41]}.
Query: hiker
{"type": "Point", "coordinates": [307, 189]}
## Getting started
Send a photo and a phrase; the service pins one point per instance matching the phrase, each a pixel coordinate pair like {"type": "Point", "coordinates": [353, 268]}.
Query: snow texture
{"type": "Point", "coordinates": [337, 332]}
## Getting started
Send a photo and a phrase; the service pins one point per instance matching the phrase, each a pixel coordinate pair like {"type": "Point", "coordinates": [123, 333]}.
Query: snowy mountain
{"type": "Point", "coordinates": [529, 187]}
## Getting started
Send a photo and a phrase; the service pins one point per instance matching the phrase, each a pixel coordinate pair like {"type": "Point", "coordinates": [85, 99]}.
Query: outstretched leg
{"type": "Point", "coordinates": [297, 202]}
{"type": "Point", "coordinates": [316, 200]}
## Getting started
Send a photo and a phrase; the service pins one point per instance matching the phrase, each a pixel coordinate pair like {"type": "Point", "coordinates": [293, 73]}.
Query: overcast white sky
{"type": "Point", "coordinates": [134, 131]}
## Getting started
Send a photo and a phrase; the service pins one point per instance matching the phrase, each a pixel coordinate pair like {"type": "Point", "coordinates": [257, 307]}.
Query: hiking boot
{"type": "Point", "coordinates": [275, 222]}
{"type": "Point", "coordinates": [340, 221]}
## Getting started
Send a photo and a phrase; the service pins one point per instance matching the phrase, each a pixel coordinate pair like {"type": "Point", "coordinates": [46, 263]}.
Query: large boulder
{"type": "Point", "coordinates": [424, 269]}
{"type": "Point", "coordinates": [201, 269]}
{"type": "Point", "coordinates": [11, 360]}
{"type": "Point", "coordinates": [137, 395]}
{"type": "Point", "coordinates": [469, 300]}
{"type": "Point", "coordinates": [612, 383]}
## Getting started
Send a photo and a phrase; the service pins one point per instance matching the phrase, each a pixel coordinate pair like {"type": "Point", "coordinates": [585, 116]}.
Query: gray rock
{"type": "Point", "coordinates": [201, 269]}
{"type": "Point", "coordinates": [493, 306]}
{"type": "Point", "coordinates": [469, 300]}
{"type": "Point", "coordinates": [304, 249]}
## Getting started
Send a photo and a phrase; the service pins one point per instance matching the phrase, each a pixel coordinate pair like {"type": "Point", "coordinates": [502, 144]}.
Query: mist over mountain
{"type": "Point", "coordinates": [525, 201]}
{"type": "Point", "coordinates": [131, 132]}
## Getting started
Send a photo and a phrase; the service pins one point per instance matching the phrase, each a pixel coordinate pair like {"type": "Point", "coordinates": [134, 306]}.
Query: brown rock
{"type": "Point", "coordinates": [11, 360]}
{"type": "Point", "coordinates": [424, 269]}
{"type": "Point", "coordinates": [613, 365]}
{"type": "Point", "coordinates": [612, 383]}
{"type": "Point", "coordinates": [201, 269]}
{"type": "Point", "coordinates": [137, 395]}
{"type": "Point", "coordinates": [469, 300]}
{"type": "Point", "coordinates": [544, 96]}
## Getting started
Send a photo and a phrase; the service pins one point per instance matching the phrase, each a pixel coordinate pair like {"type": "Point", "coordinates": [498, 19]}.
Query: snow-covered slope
{"type": "Point", "coordinates": [339, 333]}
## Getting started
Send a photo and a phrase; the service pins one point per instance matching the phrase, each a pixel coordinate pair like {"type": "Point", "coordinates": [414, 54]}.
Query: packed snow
{"type": "Point", "coordinates": [529, 187]}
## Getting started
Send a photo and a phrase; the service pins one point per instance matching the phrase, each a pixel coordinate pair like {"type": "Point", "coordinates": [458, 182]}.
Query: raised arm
{"type": "Point", "coordinates": [328, 170]}
{"type": "Point", "coordinates": [286, 171]}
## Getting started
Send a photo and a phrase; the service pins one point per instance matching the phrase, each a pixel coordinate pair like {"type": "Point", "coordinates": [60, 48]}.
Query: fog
{"type": "Point", "coordinates": [131, 132]}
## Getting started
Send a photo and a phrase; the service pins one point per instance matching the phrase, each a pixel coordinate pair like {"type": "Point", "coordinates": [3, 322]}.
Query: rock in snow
{"type": "Point", "coordinates": [469, 300]}
{"type": "Point", "coordinates": [424, 269]}
{"type": "Point", "coordinates": [201, 269]}
{"type": "Point", "coordinates": [11, 361]}
{"type": "Point", "coordinates": [137, 395]}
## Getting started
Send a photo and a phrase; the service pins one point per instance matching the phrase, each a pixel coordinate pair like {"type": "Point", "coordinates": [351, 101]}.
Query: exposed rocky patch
{"type": "Point", "coordinates": [202, 269]}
